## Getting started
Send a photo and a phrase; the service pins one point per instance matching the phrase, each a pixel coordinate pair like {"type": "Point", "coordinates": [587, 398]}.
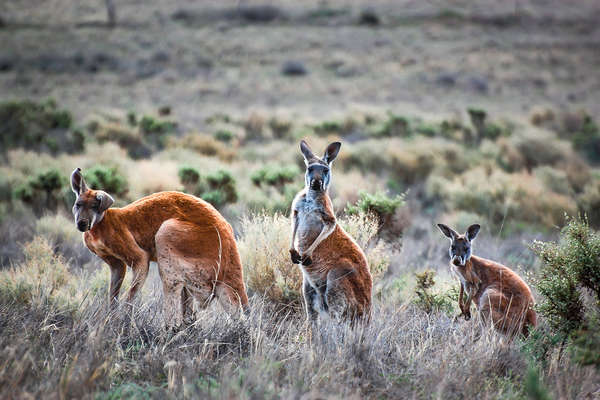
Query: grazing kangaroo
{"type": "Point", "coordinates": [498, 292]}
{"type": "Point", "coordinates": [336, 276]}
{"type": "Point", "coordinates": [193, 244]}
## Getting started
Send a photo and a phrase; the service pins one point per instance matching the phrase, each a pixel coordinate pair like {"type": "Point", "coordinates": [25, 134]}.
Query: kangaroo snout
{"type": "Point", "coordinates": [316, 184]}
{"type": "Point", "coordinates": [83, 225]}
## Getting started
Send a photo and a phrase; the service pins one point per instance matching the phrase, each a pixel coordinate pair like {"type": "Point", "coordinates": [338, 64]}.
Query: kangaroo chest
{"type": "Point", "coordinates": [310, 222]}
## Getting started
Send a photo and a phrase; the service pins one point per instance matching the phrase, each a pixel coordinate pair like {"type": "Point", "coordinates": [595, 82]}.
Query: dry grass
{"type": "Point", "coordinates": [59, 340]}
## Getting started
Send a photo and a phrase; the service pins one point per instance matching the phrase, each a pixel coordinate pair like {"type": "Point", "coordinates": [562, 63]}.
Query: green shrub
{"type": "Point", "coordinates": [568, 267]}
{"type": "Point", "coordinates": [189, 175]}
{"type": "Point", "coordinates": [218, 188]}
{"type": "Point", "coordinates": [426, 299]}
{"type": "Point", "coordinates": [224, 136]}
{"type": "Point", "coordinates": [586, 341]}
{"type": "Point", "coordinates": [132, 118]}
{"type": "Point", "coordinates": [150, 125]}
{"type": "Point", "coordinates": [42, 191]}
{"type": "Point", "coordinates": [534, 387]}
{"type": "Point", "coordinates": [589, 202]}
{"type": "Point", "coordinates": [155, 130]}
{"type": "Point", "coordinates": [378, 203]}
{"type": "Point", "coordinates": [393, 126]}
{"type": "Point", "coordinates": [108, 179]}
{"type": "Point", "coordinates": [37, 126]}
{"type": "Point", "coordinates": [274, 175]}
{"type": "Point", "coordinates": [587, 139]}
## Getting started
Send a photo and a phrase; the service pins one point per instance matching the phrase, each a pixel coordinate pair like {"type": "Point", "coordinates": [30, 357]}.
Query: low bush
{"type": "Point", "coordinates": [217, 188]}
{"type": "Point", "coordinates": [41, 127]}
{"type": "Point", "coordinates": [380, 204]}
{"type": "Point", "coordinates": [41, 192]}
{"type": "Point", "coordinates": [587, 139]}
{"type": "Point", "coordinates": [108, 179]}
{"type": "Point", "coordinates": [205, 145]}
{"type": "Point", "coordinates": [268, 270]}
{"type": "Point", "coordinates": [275, 175]}
{"type": "Point", "coordinates": [224, 136]}
{"type": "Point", "coordinates": [43, 277]}
{"type": "Point", "coordinates": [393, 126]}
{"type": "Point", "coordinates": [426, 299]}
{"type": "Point", "coordinates": [568, 269]}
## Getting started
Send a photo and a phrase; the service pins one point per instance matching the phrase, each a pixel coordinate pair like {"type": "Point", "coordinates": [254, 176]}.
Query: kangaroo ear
{"type": "Point", "coordinates": [331, 152]}
{"type": "Point", "coordinates": [306, 151]}
{"type": "Point", "coordinates": [472, 231]}
{"type": "Point", "coordinates": [105, 200]}
{"type": "Point", "coordinates": [77, 182]}
{"type": "Point", "coordinates": [447, 231]}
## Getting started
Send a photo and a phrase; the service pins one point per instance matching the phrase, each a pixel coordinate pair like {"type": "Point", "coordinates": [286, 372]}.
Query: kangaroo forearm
{"type": "Point", "coordinates": [326, 231]}
{"type": "Point", "coordinates": [294, 230]}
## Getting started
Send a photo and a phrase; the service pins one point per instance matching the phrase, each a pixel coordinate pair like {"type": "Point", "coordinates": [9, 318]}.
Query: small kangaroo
{"type": "Point", "coordinates": [192, 243]}
{"type": "Point", "coordinates": [336, 276]}
{"type": "Point", "coordinates": [498, 292]}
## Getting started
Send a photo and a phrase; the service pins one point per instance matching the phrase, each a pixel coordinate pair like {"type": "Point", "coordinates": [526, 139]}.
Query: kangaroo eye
{"type": "Point", "coordinates": [453, 247]}
{"type": "Point", "coordinates": [78, 205]}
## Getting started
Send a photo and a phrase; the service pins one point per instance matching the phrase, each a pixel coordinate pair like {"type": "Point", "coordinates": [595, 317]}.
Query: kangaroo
{"type": "Point", "coordinates": [500, 295]}
{"type": "Point", "coordinates": [336, 276]}
{"type": "Point", "coordinates": [192, 243]}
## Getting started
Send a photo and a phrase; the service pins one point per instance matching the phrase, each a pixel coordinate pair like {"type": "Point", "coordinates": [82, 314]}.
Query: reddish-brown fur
{"type": "Point", "coordinates": [193, 244]}
{"type": "Point", "coordinates": [500, 295]}
{"type": "Point", "coordinates": [336, 273]}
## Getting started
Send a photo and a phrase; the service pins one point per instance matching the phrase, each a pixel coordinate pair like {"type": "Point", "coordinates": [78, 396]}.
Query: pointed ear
{"type": "Point", "coordinates": [472, 231]}
{"type": "Point", "coordinates": [306, 151]}
{"type": "Point", "coordinates": [105, 200]}
{"type": "Point", "coordinates": [331, 152]}
{"type": "Point", "coordinates": [77, 182]}
{"type": "Point", "coordinates": [447, 231]}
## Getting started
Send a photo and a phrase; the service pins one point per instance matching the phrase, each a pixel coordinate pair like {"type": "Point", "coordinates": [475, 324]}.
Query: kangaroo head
{"type": "Point", "coordinates": [90, 205]}
{"type": "Point", "coordinates": [318, 170]}
{"type": "Point", "coordinates": [460, 245]}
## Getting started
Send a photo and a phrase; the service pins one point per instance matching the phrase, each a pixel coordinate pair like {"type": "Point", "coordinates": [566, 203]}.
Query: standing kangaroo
{"type": "Point", "coordinates": [498, 292]}
{"type": "Point", "coordinates": [193, 244]}
{"type": "Point", "coordinates": [335, 273]}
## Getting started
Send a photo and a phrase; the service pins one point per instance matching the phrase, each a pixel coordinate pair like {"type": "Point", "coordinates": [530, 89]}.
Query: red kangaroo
{"type": "Point", "coordinates": [498, 292]}
{"type": "Point", "coordinates": [193, 244]}
{"type": "Point", "coordinates": [335, 273]}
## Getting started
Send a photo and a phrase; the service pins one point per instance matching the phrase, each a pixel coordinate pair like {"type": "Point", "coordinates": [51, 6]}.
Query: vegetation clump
{"type": "Point", "coordinates": [274, 175]}
{"type": "Point", "coordinates": [569, 283]}
{"type": "Point", "coordinates": [41, 191]}
{"type": "Point", "coordinates": [41, 127]}
{"type": "Point", "coordinates": [217, 188]}
{"type": "Point", "coordinates": [108, 179]}
{"type": "Point", "coordinates": [379, 203]}
{"type": "Point", "coordinates": [426, 299]}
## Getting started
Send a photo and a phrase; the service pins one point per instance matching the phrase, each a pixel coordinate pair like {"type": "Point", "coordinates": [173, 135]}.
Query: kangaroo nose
{"type": "Point", "coordinates": [82, 225]}
{"type": "Point", "coordinates": [316, 184]}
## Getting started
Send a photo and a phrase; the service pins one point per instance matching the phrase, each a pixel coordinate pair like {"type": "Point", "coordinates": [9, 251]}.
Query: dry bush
{"type": "Point", "coordinates": [499, 196]}
{"type": "Point", "coordinates": [61, 234]}
{"type": "Point", "coordinates": [264, 247]}
{"type": "Point", "coordinates": [205, 145]}
{"type": "Point", "coordinates": [150, 176]}
{"type": "Point", "coordinates": [409, 161]}
{"type": "Point", "coordinates": [43, 277]}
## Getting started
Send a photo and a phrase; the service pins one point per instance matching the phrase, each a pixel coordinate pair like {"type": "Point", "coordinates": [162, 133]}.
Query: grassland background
{"type": "Point", "coordinates": [232, 86]}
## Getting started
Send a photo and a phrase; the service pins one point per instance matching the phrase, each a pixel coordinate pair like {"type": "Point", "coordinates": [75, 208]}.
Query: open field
{"type": "Point", "coordinates": [456, 112]}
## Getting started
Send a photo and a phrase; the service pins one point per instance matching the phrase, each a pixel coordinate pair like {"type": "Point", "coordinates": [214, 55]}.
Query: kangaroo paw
{"type": "Point", "coordinates": [295, 256]}
{"type": "Point", "coordinates": [306, 261]}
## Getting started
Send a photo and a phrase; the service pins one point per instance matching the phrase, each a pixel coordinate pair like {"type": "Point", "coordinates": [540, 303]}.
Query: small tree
{"type": "Point", "coordinates": [569, 267]}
